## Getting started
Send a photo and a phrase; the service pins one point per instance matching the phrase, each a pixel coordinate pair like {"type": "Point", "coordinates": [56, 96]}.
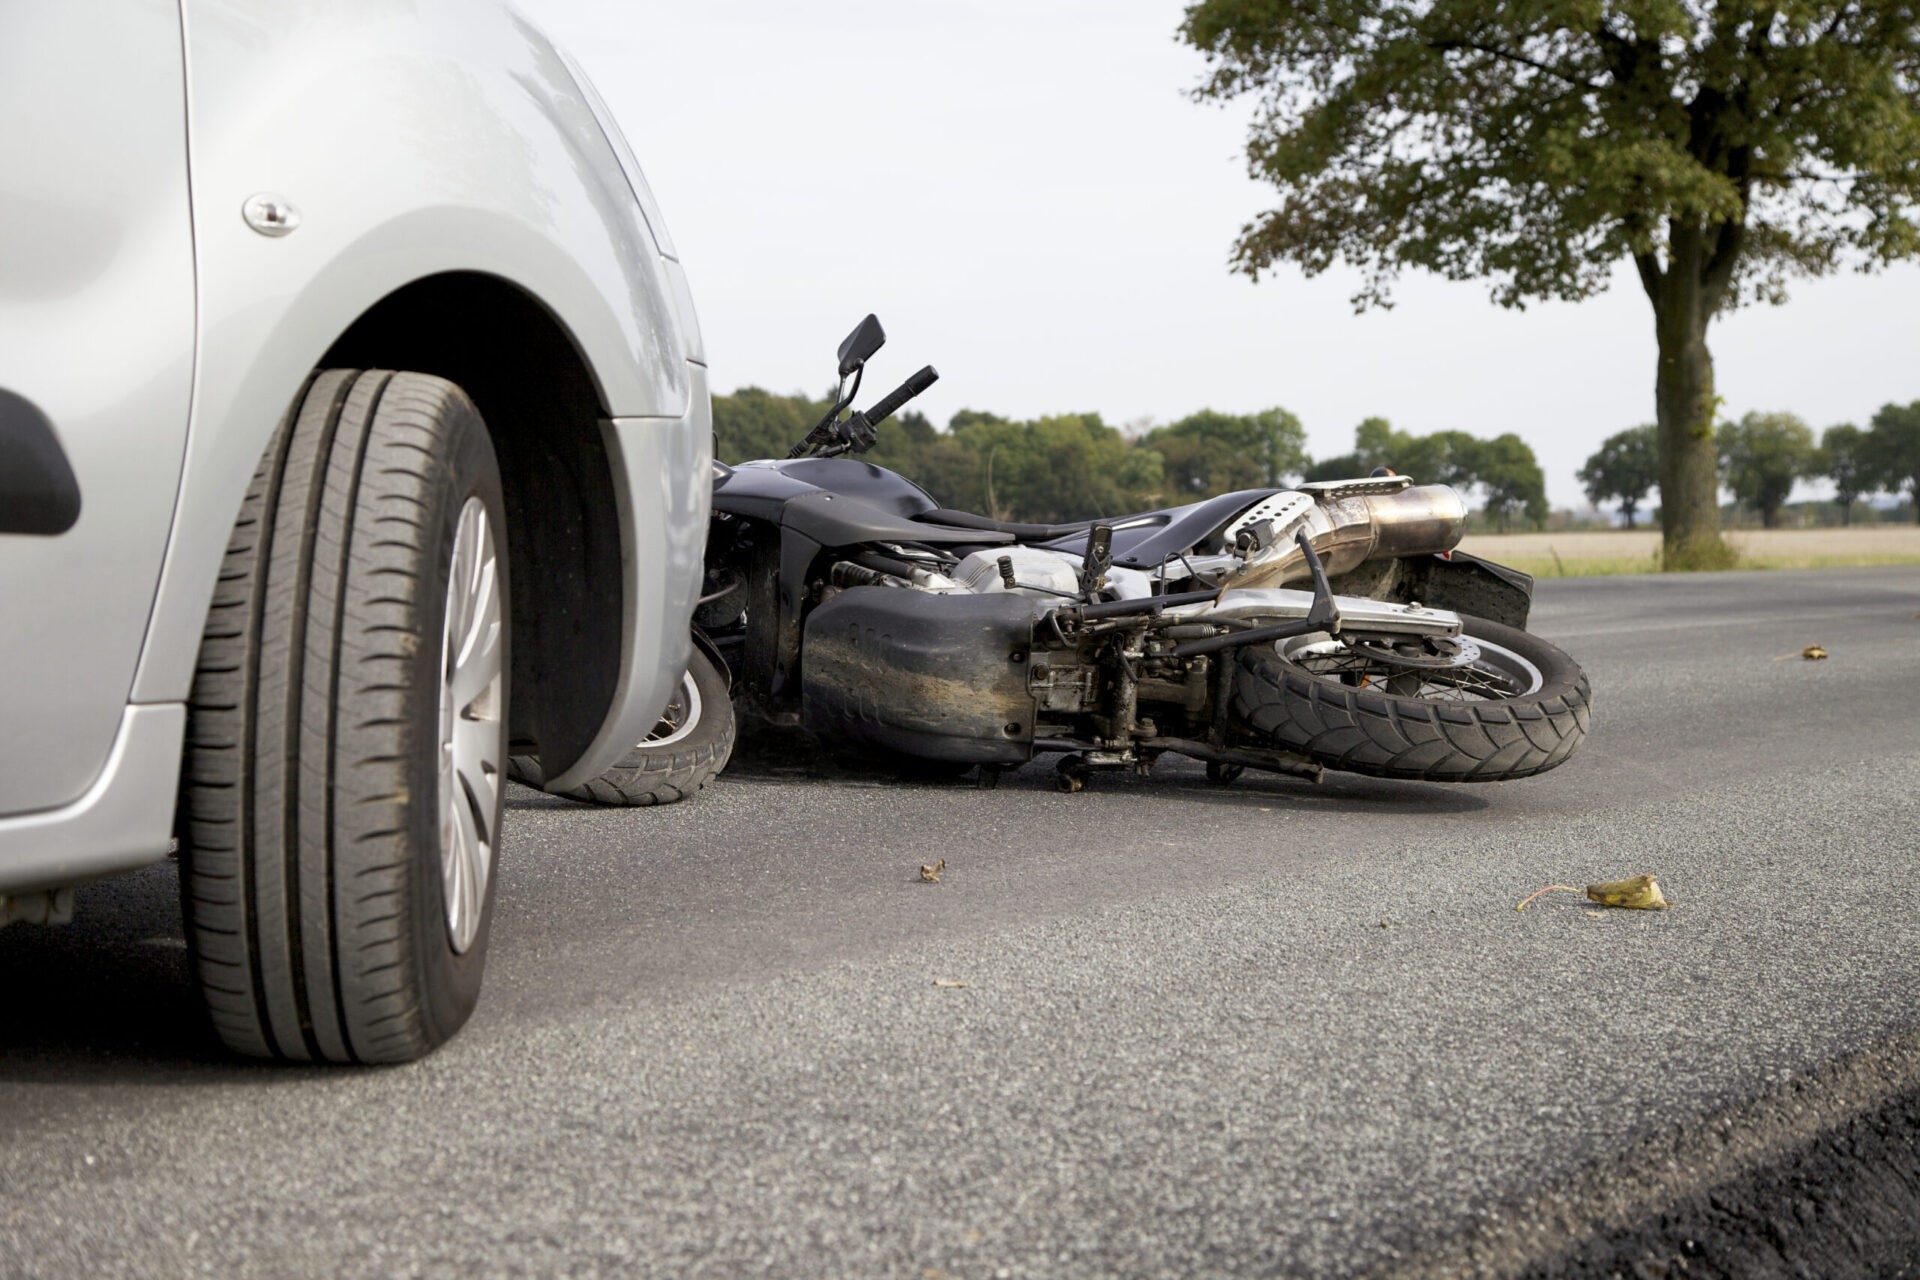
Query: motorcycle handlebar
{"type": "Point", "coordinates": [901, 394]}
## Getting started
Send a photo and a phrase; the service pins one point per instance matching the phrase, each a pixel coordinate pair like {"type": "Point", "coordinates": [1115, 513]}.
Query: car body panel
{"type": "Point", "coordinates": [412, 138]}
{"type": "Point", "coordinates": [96, 331]}
{"type": "Point", "coordinates": [424, 159]}
{"type": "Point", "coordinates": [124, 820]}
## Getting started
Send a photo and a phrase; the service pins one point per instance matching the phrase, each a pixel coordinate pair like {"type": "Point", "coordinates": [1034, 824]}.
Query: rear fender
{"type": "Point", "coordinates": [1461, 583]}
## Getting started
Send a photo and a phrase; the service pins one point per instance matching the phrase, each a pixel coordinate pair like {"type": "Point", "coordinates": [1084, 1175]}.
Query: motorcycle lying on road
{"type": "Point", "coordinates": [1328, 626]}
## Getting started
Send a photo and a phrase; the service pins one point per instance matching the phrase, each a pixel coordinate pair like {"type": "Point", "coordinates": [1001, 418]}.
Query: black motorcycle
{"type": "Point", "coordinates": [1328, 626]}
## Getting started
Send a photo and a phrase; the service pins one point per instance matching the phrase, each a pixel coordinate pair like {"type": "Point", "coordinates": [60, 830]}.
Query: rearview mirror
{"type": "Point", "coordinates": [867, 337]}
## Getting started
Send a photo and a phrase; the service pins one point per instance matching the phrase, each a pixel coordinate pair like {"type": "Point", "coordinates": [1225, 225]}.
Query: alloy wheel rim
{"type": "Point", "coordinates": [472, 746]}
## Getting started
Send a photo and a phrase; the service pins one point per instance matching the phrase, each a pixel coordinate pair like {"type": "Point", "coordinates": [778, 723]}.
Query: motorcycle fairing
{"type": "Point", "coordinates": [877, 486]}
{"type": "Point", "coordinates": [936, 677]}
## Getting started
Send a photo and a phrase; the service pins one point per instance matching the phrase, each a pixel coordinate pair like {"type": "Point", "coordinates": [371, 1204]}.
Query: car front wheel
{"type": "Point", "coordinates": [347, 730]}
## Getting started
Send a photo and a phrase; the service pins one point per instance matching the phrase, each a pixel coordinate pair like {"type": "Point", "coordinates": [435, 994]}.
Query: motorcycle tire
{"type": "Point", "coordinates": [685, 751]}
{"type": "Point", "coordinates": [1517, 707]}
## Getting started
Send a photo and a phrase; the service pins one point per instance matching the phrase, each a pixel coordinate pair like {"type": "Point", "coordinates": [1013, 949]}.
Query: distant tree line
{"type": "Point", "coordinates": [1761, 456]}
{"type": "Point", "coordinates": [1075, 466]}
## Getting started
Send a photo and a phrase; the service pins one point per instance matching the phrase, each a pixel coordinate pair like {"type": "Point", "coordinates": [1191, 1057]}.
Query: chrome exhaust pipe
{"type": "Point", "coordinates": [1348, 523]}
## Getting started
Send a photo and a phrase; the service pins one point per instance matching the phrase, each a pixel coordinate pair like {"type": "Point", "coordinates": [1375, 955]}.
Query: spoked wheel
{"type": "Point", "coordinates": [1493, 703]}
{"type": "Point", "coordinates": [686, 750]}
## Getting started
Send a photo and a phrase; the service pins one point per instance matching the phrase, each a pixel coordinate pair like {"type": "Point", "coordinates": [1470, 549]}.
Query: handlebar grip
{"type": "Point", "coordinates": [901, 394]}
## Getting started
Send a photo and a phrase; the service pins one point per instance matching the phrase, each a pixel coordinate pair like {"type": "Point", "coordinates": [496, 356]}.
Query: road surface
{"type": "Point", "coordinates": [1267, 1029]}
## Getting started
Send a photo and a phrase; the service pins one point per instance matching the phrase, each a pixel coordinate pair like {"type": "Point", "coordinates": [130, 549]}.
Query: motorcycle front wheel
{"type": "Point", "coordinates": [1497, 703]}
{"type": "Point", "coordinates": [685, 751]}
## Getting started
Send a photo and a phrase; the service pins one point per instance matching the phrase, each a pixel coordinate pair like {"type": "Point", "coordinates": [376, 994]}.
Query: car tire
{"type": "Point", "coordinates": [342, 787]}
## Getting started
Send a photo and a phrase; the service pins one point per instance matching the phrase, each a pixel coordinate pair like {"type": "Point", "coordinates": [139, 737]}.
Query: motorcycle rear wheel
{"type": "Point", "coordinates": [1513, 706]}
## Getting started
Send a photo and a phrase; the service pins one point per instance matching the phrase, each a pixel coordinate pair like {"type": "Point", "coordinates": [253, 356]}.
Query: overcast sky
{"type": "Point", "coordinates": [1026, 195]}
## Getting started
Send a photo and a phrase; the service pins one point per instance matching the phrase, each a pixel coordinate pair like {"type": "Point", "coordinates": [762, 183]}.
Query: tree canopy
{"type": "Point", "coordinates": [1844, 458]}
{"type": "Point", "coordinates": [1074, 466]}
{"type": "Point", "coordinates": [1764, 454]}
{"type": "Point", "coordinates": [1210, 452]}
{"type": "Point", "coordinates": [1623, 470]}
{"type": "Point", "coordinates": [1893, 444]}
{"type": "Point", "coordinates": [1719, 147]}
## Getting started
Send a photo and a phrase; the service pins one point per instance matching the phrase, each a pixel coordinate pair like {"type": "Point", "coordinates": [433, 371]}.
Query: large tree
{"type": "Point", "coordinates": [1624, 469]}
{"type": "Point", "coordinates": [1764, 453]}
{"type": "Point", "coordinates": [1718, 147]}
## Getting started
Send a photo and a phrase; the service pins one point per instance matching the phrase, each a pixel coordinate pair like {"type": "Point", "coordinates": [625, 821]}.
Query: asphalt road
{"type": "Point", "coordinates": [1269, 1029]}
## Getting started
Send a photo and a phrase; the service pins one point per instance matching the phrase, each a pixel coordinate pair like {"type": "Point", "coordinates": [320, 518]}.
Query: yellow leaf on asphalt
{"type": "Point", "coordinates": [1813, 653]}
{"type": "Point", "coordinates": [931, 873]}
{"type": "Point", "coordinates": [952, 983]}
{"type": "Point", "coordinates": [1636, 893]}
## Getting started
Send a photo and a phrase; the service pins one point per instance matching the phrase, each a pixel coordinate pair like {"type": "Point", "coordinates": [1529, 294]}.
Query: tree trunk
{"type": "Point", "coordinates": [1684, 399]}
{"type": "Point", "coordinates": [1627, 511]}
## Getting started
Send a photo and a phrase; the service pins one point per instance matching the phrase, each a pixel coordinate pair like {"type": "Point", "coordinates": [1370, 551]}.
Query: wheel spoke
{"type": "Point", "coordinates": [1490, 675]}
{"type": "Point", "coordinates": [478, 776]}
{"type": "Point", "coordinates": [476, 676]}
{"type": "Point", "coordinates": [471, 739]}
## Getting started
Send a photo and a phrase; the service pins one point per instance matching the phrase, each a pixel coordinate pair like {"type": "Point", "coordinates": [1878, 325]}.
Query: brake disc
{"type": "Point", "coordinates": [1441, 652]}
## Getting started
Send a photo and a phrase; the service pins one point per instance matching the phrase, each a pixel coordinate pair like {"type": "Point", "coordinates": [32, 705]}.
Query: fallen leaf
{"type": "Point", "coordinates": [1813, 653]}
{"type": "Point", "coordinates": [1597, 915]}
{"type": "Point", "coordinates": [1636, 893]}
{"type": "Point", "coordinates": [931, 873]}
{"type": "Point", "coordinates": [951, 983]}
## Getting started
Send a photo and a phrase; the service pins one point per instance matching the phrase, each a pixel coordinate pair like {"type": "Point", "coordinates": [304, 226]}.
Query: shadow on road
{"type": "Point", "coordinates": [109, 998]}
{"type": "Point", "coordinates": [1175, 780]}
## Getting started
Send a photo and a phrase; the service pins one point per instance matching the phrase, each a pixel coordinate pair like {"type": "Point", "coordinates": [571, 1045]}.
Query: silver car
{"type": "Point", "coordinates": [354, 431]}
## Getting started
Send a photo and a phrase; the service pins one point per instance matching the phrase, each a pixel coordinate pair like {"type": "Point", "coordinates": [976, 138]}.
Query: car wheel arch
{"type": "Point", "coordinates": [542, 405]}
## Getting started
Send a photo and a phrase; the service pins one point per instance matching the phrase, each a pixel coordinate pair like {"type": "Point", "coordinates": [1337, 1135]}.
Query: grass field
{"type": "Point", "coordinates": [1589, 554]}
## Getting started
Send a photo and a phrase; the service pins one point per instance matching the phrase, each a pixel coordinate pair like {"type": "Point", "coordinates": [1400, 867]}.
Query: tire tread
{"type": "Point", "coordinates": [1387, 736]}
{"type": "Point", "coordinates": [297, 841]}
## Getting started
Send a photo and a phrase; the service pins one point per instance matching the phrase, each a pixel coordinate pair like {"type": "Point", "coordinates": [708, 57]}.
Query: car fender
{"type": "Point", "coordinates": [408, 140]}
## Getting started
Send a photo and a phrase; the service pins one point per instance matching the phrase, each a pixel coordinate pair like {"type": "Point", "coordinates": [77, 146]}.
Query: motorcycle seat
{"type": "Point", "coordinates": [1025, 532]}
